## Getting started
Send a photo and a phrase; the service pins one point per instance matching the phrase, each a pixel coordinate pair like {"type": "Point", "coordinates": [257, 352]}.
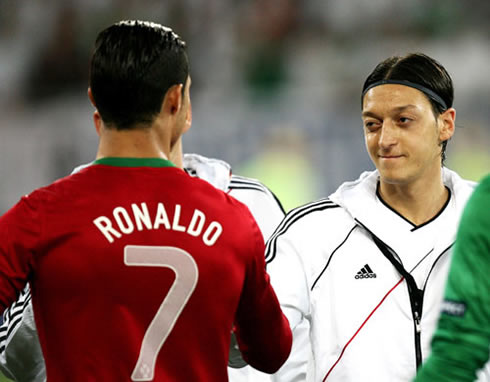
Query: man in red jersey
{"type": "Point", "coordinates": [138, 271]}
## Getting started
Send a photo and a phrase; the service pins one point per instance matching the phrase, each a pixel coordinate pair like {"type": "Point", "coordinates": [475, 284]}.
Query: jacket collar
{"type": "Point", "coordinates": [359, 199]}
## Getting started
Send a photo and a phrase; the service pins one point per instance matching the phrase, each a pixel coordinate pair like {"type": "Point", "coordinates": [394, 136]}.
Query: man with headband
{"type": "Point", "coordinates": [366, 266]}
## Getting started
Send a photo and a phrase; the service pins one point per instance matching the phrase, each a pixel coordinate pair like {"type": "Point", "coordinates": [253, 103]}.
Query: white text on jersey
{"type": "Point", "coordinates": [141, 219]}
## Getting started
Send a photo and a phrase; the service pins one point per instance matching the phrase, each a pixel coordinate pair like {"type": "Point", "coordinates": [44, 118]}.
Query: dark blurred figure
{"type": "Point", "coordinates": [266, 33]}
{"type": "Point", "coordinates": [61, 67]}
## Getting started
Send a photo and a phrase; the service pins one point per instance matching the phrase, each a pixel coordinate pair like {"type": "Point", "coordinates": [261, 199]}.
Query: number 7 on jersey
{"type": "Point", "coordinates": [186, 276]}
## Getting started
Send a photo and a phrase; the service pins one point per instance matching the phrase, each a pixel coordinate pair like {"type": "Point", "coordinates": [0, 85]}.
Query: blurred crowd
{"type": "Point", "coordinates": [276, 84]}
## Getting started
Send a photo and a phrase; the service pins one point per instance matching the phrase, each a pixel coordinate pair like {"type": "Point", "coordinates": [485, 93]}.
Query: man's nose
{"type": "Point", "coordinates": [389, 134]}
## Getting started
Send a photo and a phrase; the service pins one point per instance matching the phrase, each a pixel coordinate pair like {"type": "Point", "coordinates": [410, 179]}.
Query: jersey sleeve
{"type": "Point", "coordinates": [19, 233]}
{"type": "Point", "coordinates": [460, 346]}
{"type": "Point", "coordinates": [268, 213]}
{"type": "Point", "coordinates": [262, 330]}
{"type": "Point", "coordinates": [21, 357]}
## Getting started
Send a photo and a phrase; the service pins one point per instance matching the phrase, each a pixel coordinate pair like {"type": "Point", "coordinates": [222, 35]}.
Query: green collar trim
{"type": "Point", "coordinates": [134, 162]}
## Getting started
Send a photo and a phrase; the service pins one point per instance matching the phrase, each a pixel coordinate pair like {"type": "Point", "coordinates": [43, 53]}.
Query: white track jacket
{"type": "Point", "coordinates": [368, 282]}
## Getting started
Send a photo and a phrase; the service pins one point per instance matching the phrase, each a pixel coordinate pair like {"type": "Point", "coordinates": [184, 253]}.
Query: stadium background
{"type": "Point", "coordinates": [276, 83]}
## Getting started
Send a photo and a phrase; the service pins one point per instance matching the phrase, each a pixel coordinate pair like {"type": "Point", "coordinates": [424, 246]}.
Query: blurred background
{"type": "Point", "coordinates": [276, 83]}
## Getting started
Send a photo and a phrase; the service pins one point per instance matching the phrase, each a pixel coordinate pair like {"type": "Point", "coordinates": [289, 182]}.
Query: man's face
{"type": "Point", "coordinates": [402, 133]}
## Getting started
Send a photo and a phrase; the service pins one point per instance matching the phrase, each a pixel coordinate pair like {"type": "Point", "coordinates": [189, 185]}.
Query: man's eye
{"type": "Point", "coordinates": [371, 125]}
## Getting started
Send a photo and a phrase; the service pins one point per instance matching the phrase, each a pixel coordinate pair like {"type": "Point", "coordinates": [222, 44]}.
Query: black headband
{"type": "Point", "coordinates": [432, 95]}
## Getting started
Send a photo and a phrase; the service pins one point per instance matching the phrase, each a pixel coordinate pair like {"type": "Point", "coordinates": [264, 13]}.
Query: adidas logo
{"type": "Point", "coordinates": [365, 273]}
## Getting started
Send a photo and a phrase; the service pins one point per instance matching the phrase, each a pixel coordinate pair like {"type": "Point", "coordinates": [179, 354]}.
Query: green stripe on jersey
{"type": "Point", "coordinates": [134, 162]}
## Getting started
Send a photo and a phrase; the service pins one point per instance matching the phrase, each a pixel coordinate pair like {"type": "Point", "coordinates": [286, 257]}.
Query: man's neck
{"type": "Point", "coordinates": [176, 154]}
{"type": "Point", "coordinates": [137, 143]}
{"type": "Point", "coordinates": [417, 202]}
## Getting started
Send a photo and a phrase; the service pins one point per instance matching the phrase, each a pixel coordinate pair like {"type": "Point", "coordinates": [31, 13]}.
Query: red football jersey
{"type": "Point", "coordinates": [138, 272]}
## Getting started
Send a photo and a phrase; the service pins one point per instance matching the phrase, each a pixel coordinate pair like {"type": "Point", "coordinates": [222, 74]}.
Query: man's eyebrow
{"type": "Point", "coordinates": [405, 107]}
{"type": "Point", "coordinates": [397, 109]}
{"type": "Point", "coordinates": [370, 114]}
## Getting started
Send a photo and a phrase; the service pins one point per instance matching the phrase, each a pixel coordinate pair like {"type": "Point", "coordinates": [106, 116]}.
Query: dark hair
{"type": "Point", "coordinates": [133, 66]}
{"type": "Point", "coordinates": [418, 69]}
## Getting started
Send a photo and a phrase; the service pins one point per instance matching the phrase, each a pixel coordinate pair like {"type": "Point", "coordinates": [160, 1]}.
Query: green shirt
{"type": "Point", "coordinates": [461, 343]}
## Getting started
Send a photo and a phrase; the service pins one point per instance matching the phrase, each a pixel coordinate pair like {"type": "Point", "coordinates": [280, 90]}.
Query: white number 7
{"type": "Point", "coordinates": [186, 275]}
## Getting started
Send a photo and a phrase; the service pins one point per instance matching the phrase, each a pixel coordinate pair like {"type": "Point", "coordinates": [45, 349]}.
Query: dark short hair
{"type": "Point", "coordinates": [419, 69]}
{"type": "Point", "coordinates": [133, 66]}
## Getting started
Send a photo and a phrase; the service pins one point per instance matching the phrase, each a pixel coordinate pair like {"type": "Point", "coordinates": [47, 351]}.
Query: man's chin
{"type": "Point", "coordinates": [393, 179]}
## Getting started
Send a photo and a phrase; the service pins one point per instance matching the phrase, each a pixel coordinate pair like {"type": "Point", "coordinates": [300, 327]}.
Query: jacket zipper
{"type": "Point", "coordinates": [416, 299]}
{"type": "Point", "coordinates": [415, 294]}
{"type": "Point", "coordinates": [418, 350]}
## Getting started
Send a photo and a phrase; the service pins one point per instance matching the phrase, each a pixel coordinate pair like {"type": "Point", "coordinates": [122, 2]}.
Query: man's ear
{"type": "Point", "coordinates": [91, 97]}
{"type": "Point", "coordinates": [97, 122]}
{"type": "Point", "coordinates": [97, 118]}
{"type": "Point", "coordinates": [172, 101]}
{"type": "Point", "coordinates": [447, 122]}
{"type": "Point", "coordinates": [188, 118]}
